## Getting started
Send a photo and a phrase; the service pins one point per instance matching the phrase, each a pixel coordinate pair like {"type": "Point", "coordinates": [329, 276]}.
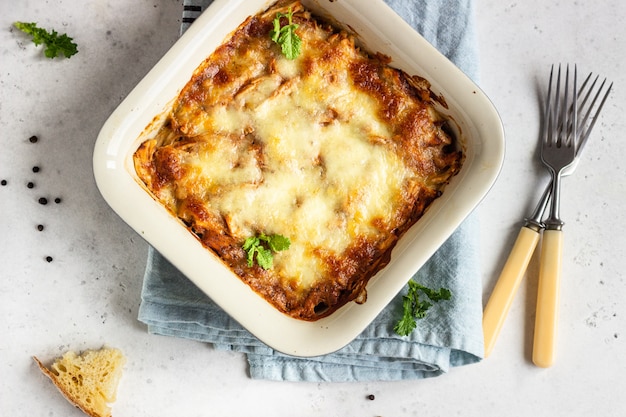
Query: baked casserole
{"type": "Point", "coordinates": [334, 150]}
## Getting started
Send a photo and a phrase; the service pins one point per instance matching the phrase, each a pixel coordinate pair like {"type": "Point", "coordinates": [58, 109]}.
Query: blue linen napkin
{"type": "Point", "coordinates": [450, 335]}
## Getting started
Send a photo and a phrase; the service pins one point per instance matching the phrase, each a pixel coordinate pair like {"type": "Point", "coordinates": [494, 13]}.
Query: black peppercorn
{"type": "Point", "coordinates": [4, 182]}
{"type": "Point", "coordinates": [33, 139]}
{"type": "Point", "coordinates": [35, 169]}
{"type": "Point", "coordinates": [43, 201]}
{"type": "Point", "coordinates": [40, 227]}
{"type": "Point", "coordinates": [57, 200]}
{"type": "Point", "coordinates": [371, 397]}
{"type": "Point", "coordinates": [30, 184]}
{"type": "Point", "coordinates": [48, 259]}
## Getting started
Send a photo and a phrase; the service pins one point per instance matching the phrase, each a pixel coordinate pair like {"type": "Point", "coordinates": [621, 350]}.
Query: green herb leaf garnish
{"type": "Point", "coordinates": [414, 308]}
{"type": "Point", "coordinates": [55, 44]}
{"type": "Point", "coordinates": [262, 248]}
{"type": "Point", "coordinates": [286, 36]}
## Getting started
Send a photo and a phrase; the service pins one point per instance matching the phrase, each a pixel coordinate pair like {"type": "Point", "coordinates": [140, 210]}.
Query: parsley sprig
{"type": "Point", "coordinates": [286, 36]}
{"type": "Point", "coordinates": [414, 308]}
{"type": "Point", "coordinates": [55, 43]}
{"type": "Point", "coordinates": [263, 247]}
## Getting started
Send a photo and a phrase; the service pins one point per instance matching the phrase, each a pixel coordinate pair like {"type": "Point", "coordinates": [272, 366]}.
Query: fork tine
{"type": "Point", "coordinates": [562, 119]}
{"type": "Point", "coordinates": [587, 94]}
{"type": "Point", "coordinates": [570, 119]}
{"type": "Point", "coordinates": [557, 107]}
{"type": "Point", "coordinates": [581, 93]}
{"type": "Point", "coordinates": [587, 131]}
{"type": "Point", "coordinates": [584, 109]}
{"type": "Point", "coordinates": [574, 103]}
{"type": "Point", "coordinates": [584, 84]}
{"type": "Point", "coordinates": [549, 111]}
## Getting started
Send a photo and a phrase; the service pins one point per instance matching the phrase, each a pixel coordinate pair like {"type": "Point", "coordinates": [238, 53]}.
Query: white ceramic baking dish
{"type": "Point", "coordinates": [379, 29]}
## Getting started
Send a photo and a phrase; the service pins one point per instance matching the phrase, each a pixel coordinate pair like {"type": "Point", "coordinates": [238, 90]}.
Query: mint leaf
{"type": "Point", "coordinates": [275, 33]}
{"type": "Point", "coordinates": [290, 43]}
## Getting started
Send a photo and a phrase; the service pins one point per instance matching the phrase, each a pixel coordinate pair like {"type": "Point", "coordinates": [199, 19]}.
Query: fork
{"type": "Point", "coordinates": [513, 271]}
{"type": "Point", "coordinates": [563, 135]}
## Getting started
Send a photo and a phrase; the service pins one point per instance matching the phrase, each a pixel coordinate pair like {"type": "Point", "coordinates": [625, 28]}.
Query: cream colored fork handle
{"type": "Point", "coordinates": [501, 298]}
{"type": "Point", "coordinates": [548, 298]}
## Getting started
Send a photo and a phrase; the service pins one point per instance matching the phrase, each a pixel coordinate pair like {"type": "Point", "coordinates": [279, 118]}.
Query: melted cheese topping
{"type": "Point", "coordinates": [329, 179]}
{"type": "Point", "coordinates": [334, 150]}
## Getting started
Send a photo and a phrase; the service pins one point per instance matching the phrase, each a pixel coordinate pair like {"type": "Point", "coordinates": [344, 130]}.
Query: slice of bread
{"type": "Point", "coordinates": [89, 380]}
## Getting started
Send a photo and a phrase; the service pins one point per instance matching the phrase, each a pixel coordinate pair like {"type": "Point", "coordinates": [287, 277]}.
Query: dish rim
{"type": "Point", "coordinates": [381, 30]}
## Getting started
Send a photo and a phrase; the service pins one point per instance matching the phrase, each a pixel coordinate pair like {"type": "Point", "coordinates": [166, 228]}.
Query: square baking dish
{"type": "Point", "coordinates": [378, 29]}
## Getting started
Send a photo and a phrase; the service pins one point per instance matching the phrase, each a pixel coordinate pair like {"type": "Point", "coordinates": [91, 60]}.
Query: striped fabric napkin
{"type": "Point", "coordinates": [451, 334]}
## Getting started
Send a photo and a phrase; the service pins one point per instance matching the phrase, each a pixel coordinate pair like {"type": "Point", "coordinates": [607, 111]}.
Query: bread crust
{"type": "Point", "coordinates": [108, 389]}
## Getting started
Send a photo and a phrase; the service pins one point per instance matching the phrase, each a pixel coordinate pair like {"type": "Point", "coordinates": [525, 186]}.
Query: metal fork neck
{"type": "Point", "coordinates": [535, 222]}
{"type": "Point", "coordinates": [553, 222]}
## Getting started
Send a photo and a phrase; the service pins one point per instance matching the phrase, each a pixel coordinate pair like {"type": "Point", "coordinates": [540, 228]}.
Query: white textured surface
{"type": "Point", "coordinates": [89, 293]}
